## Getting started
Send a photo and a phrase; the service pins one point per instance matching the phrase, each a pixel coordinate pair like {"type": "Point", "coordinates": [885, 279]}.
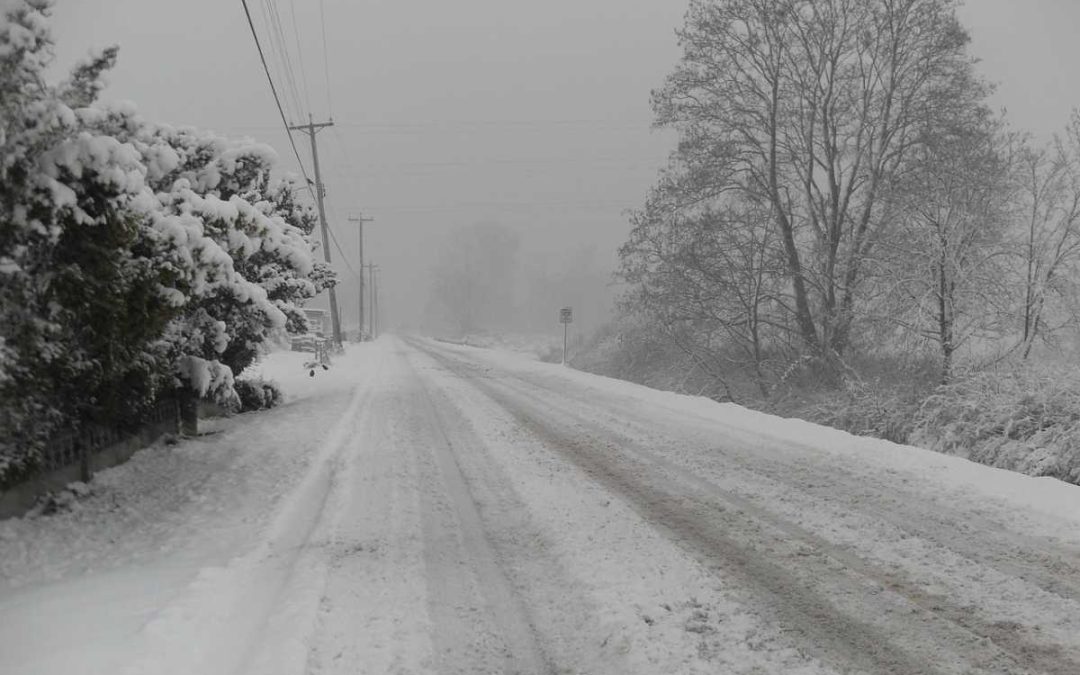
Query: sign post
{"type": "Point", "coordinates": [566, 317]}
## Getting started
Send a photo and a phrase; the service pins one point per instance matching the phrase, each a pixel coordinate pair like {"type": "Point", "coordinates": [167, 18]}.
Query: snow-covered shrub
{"type": "Point", "coordinates": [257, 394]}
{"type": "Point", "coordinates": [263, 231]}
{"type": "Point", "coordinates": [80, 306]}
{"type": "Point", "coordinates": [635, 349]}
{"type": "Point", "coordinates": [134, 258]}
{"type": "Point", "coordinates": [1017, 418]}
{"type": "Point", "coordinates": [61, 501]}
{"type": "Point", "coordinates": [866, 409]}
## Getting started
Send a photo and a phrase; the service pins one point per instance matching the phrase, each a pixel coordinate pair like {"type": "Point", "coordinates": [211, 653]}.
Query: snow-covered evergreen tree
{"type": "Point", "coordinates": [134, 258]}
{"type": "Point", "coordinates": [254, 218]}
{"type": "Point", "coordinates": [79, 278]}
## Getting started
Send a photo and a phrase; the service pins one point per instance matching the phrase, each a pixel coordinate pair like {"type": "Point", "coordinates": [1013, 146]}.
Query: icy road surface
{"type": "Point", "coordinates": [426, 508]}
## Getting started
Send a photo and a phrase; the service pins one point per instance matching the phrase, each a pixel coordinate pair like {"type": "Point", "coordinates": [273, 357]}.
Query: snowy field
{"type": "Point", "coordinates": [431, 508]}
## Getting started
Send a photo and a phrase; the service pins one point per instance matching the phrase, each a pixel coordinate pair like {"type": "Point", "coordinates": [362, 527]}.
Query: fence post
{"type": "Point", "coordinates": [85, 473]}
{"type": "Point", "coordinates": [189, 413]}
{"type": "Point", "coordinates": [174, 410]}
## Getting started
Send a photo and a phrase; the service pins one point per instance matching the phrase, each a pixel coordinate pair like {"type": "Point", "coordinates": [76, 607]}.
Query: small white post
{"type": "Point", "coordinates": [566, 316]}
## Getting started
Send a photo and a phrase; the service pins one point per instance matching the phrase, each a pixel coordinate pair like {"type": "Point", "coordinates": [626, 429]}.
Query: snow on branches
{"type": "Point", "coordinates": [135, 258]}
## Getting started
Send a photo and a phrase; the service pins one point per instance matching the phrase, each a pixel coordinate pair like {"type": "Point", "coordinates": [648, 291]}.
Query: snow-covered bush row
{"type": "Point", "coordinates": [1023, 419]}
{"type": "Point", "coordinates": [866, 409]}
{"type": "Point", "coordinates": [135, 258]}
{"type": "Point", "coordinates": [1018, 415]}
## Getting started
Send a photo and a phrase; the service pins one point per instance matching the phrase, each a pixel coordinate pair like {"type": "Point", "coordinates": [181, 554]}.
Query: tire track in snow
{"type": "Point", "coordinates": [991, 646]}
{"type": "Point", "coordinates": [689, 517]}
{"type": "Point", "coordinates": [608, 592]}
{"type": "Point", "coordinates": [437, 566]}
{"type": "Point", "coordinates": [691, 523]}
{"type": "Point", "coordinates": [1043, 563]}
{"type": "Point", "coordinates": [462, 562]}
{"type": "Point", "coordinates": [372, 612]}
{"type": "Point", "coordinates": [988, 545]}
{"type": "Point", "coordinates": [1038, 560]}
{"type": "Point", "coordinates": [229, 618]}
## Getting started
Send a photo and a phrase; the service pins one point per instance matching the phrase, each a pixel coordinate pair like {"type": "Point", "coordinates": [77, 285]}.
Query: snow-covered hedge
{"type": "Point", "coordinates": [1021, 418]}
{"type": "Point", "coordinates": [135, 258]}
{"type": "Point", "coordinates": [866, 409]}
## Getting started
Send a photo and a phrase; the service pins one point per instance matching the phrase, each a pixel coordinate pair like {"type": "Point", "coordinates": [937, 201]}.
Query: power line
{"type": "Point", "coordinates": [283, 52]}
{"type": "Point", "coordinates": [300, 55]}
{"type": "Point", "coordinates": [508, 124]}
{"type": "Point", "coordinates": [504, 123]}
{"type": "Point", "coordinates": [621, 162]}
{"type": "Point", "coordinates": [277, 100]}
{"type": "Point", "coordinates": [344, 258]}
{"type": "Point", "coordinates": [292, 107]}
{"type": "Point", "coordinates": [296, 152]}
{"type": "Point", "coordinates": [333, 238]}
{"type": "Point", "coordinates": [274, 37]}
{"type": "Point", "coordinates": [326, 60]}
{"type": "Point", "coordinates": [343, 148]}
{"type": "Point", "coordinates": [518, 206]}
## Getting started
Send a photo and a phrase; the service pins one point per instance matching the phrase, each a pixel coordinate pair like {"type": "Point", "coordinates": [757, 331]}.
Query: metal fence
{"type": "Point", "coordinates": [72, 448]}
{"type": "Point", "coordinates": [74, 456]}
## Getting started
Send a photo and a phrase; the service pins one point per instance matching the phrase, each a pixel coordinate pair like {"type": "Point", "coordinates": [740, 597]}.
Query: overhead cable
{"type": "Point", "coordinates": [282, 49]}
{"type": "Point", "coordinates": [277, 99]}
{"type": "Point", "coordinates": [326, 60]}
{"type": "Point", "coordinates": [300, 55]}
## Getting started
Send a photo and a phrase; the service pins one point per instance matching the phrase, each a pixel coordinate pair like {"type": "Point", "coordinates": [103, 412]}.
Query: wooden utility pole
{"type": "Point", "coordinates": [360, 220]}
{"type": "Point", "coordinates": [320, 191]}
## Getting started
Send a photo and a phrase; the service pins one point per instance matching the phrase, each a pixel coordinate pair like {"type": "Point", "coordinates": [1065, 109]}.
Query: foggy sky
{"type": "Point", "coordinates": [533, 115]}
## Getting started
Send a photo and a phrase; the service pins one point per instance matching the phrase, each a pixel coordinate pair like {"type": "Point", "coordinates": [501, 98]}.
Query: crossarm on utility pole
{"type": "Point", "coordinates": [320, 192]}
{"type": "Point", "coordinates": [360, 220]}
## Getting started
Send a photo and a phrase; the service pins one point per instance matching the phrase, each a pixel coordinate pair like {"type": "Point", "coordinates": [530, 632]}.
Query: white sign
{"type": "Point", "coordinates": [566, 315]}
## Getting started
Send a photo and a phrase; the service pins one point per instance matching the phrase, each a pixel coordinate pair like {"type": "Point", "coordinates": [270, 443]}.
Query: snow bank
{"type": "Point", "coordinates": [538, 346]}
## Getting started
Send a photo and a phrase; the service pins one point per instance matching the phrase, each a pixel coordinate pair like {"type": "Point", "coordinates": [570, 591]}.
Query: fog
{"type": "Point", "coordinates": [530, 118]}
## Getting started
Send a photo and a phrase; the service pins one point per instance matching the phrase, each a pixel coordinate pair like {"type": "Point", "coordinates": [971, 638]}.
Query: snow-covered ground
{"type": "Point", "coordinates": [87, 591]}
{"type": "Point", "coordinates": [425, 507]}
{"type": "Point", "coordinates": [535, 345]}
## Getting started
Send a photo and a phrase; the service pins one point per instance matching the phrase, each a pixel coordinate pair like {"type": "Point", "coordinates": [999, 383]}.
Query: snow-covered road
{"type": "Point", "coordinates": [428, 508]}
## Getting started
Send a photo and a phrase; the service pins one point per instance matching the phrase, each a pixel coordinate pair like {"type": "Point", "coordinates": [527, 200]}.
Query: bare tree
{"type": "Point", "coordinates": [1048, 232]}
{"type": "Point", "coordinates": [713, 278]}
{"type": "Point", "coordinates": [949, 271]}
{"type": "Point", "coordinates": [810, 109]}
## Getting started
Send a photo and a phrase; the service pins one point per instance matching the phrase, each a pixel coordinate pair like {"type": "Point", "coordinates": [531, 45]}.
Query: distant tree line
{"type": "Point", "coordinates": [136, 259]}
{"type": "Point", "coordinates": [481, 282]}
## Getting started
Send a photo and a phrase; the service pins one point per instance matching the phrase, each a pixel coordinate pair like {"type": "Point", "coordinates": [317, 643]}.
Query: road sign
{"type": "Point", "coordinates": [566, 317]}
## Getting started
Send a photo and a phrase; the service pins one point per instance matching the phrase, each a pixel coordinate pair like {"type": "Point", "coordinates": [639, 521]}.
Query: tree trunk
{"type": "Point", "coordinates": [945, 323]}
{"type": "Point", "coordinates": [807, 329]}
